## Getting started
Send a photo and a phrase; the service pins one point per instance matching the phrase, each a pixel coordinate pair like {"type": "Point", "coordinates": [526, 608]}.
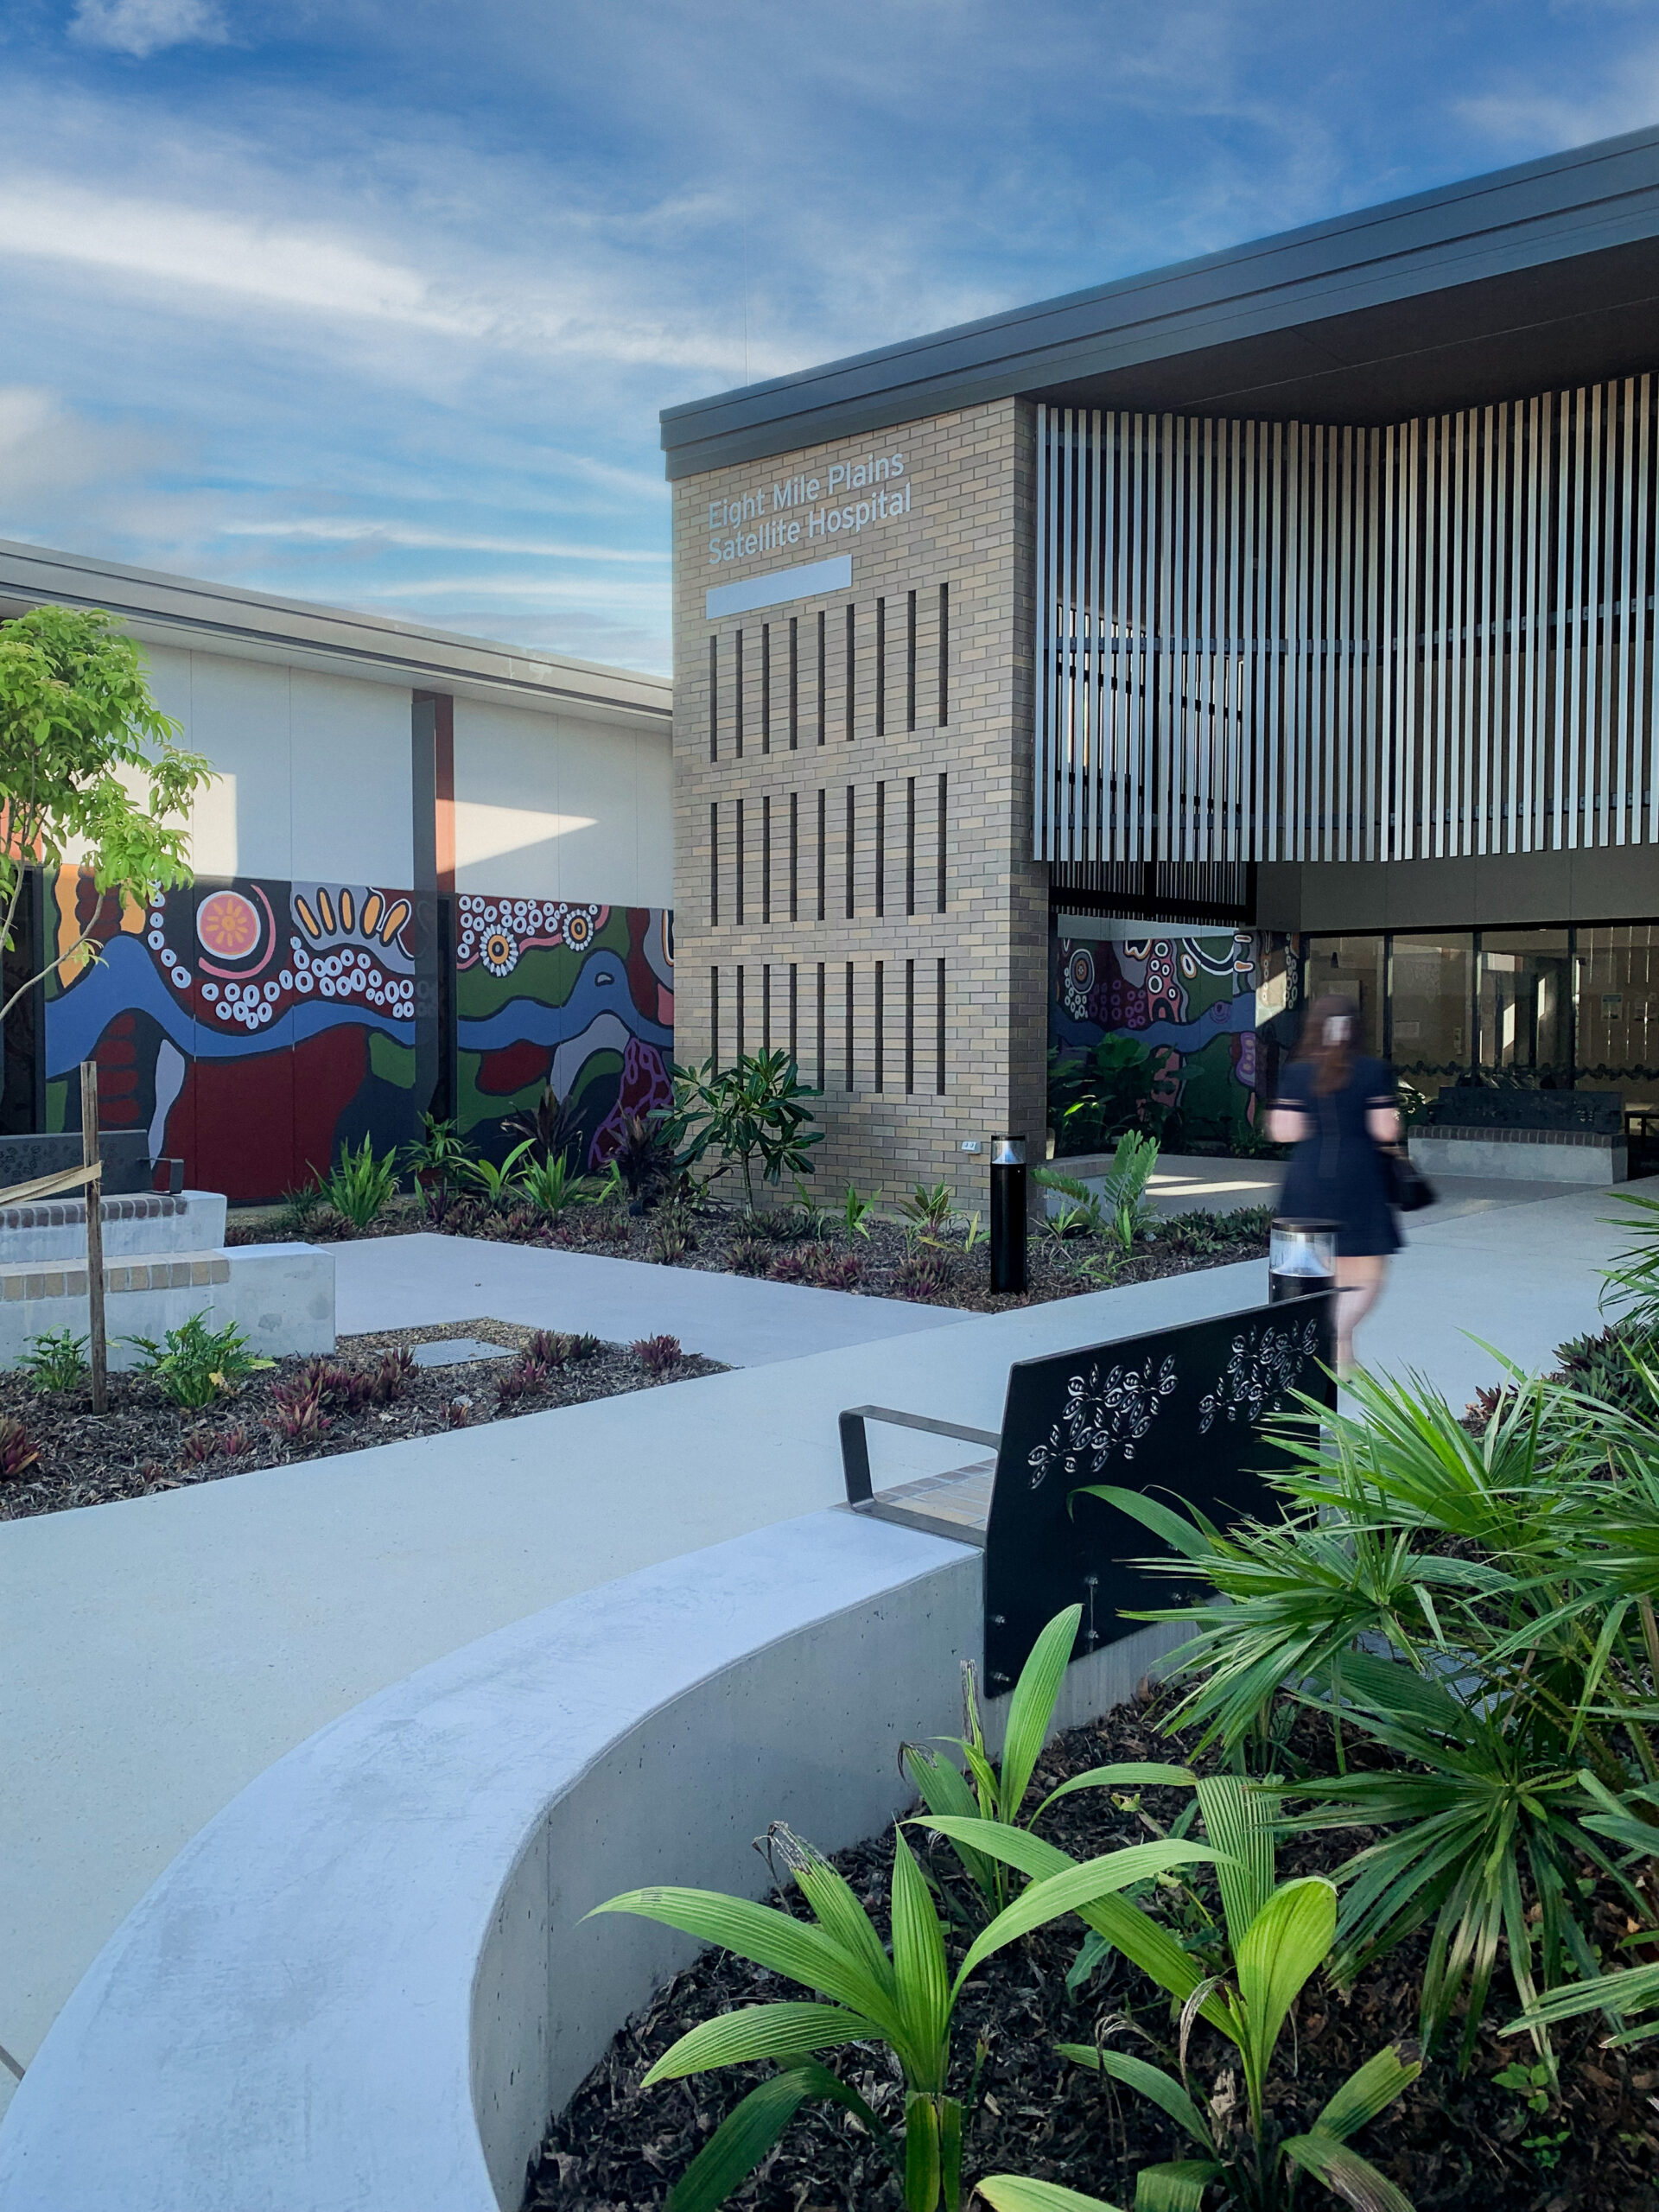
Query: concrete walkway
{"type": "Point", "coordinates": [408, 1282]}
{"type": "Point", "coordinates": [156, 1654]}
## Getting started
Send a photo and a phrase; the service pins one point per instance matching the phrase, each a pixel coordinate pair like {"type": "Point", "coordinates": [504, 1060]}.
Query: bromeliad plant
{"type": "Point", "coordinates": [1273, 1938]}
{"type": "Point", "coordinates": [905, 2001]}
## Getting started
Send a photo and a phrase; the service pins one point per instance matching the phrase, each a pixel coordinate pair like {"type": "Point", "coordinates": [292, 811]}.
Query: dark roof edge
{"type": "Point", "coordinates": [1050, 340]}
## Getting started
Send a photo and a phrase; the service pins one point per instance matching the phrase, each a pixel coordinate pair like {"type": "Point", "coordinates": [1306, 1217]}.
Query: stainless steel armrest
{"type": "Point", "coordinates": [855, 1445]}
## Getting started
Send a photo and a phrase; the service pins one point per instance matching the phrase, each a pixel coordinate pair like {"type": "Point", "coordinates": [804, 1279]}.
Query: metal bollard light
{"type": "Point", "coordinates": [1007, 1214]}
{"type": "Point", "coordinates": [1301, 1259]}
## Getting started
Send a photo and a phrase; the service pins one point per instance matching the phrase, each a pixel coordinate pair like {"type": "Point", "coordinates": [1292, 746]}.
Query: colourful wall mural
{"type": "Point", "coordinates": [253, 1027]}
{"type": "Point", "coordinates": [579, 996]}
{"type": "Point", "coordinates": [1189, 999]}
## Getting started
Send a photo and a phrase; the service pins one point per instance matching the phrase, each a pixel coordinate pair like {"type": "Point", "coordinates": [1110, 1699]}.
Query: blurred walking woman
{"type": "Point", "coordinates": [1337, 1109]}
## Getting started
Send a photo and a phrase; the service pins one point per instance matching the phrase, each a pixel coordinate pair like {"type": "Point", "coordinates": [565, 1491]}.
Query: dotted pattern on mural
{"type": "Point", "coordinates": [496, 931]}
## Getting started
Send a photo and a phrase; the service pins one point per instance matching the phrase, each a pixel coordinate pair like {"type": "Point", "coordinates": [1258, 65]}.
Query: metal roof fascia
{"type": "Point", "coordinates": [176, 609]}
{"type": "Point", "coordinates": [952, 367]}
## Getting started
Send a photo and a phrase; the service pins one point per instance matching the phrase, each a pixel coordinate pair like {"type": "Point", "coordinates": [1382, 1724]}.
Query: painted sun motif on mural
{"type": "Point", "coordinates": [494, 932]}
{"type": "Point", "coordinates": [228, 924]}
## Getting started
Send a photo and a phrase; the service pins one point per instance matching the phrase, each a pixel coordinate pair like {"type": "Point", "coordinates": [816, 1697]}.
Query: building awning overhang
{"type": "Point", "coordinates": [1532, 279]}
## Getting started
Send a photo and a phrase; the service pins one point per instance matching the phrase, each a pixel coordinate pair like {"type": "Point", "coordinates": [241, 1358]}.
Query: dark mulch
{"type": "Point", "coordinates": [144, 1443]}
{"type": "Point", "coordinates": [1450, 2143]}
{"type": "Point", "coordinates": [789, 1246]}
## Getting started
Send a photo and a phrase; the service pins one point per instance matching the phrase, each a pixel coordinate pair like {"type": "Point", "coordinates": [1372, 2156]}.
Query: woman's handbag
{"type": "Point", "coordinates": [1409, 1190]}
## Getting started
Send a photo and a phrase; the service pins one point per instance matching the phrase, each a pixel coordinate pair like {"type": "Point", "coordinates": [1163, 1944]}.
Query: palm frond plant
{"type": "Point", "coordinates": [905, 2001]}
{"type": "Point", "coordinates": [1272, 1937]}
{"type": "Point", "coordinates": [990, 1789]}
{"type": "Point", "coordinates": [1468, 1600]}
{"type": "Point", "coordinates": [1630, 1282]}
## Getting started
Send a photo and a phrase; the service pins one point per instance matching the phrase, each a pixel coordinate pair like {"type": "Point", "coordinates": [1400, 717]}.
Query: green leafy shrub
{"type": "Point", "coordinates": [498, 1186]}
{"type": "Point", "coordinates": [55, 1360]}
{"type": "Point", "coordinates": [437, 1160]}
{"type": "Point", "coordinates": [1096, 1097]}
{"type": "Point", "coordinates": [855, 1210]}
{"type": "Point", "coordinates": [552, 1187]}
{"type": "Point", "coordinates": [194, 1365]}
{"type": "Point", "coordinates": [361, 1184]}
{"type": "Point", "coordinates": [753, 1114]}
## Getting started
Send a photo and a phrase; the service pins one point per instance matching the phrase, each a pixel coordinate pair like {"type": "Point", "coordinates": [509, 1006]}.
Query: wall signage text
{"type": "Point", "coordinates": [800, 510]}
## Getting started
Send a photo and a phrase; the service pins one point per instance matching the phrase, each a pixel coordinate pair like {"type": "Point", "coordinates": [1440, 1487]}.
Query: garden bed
{"type": "Point", "coordinates": [792, 1244]}
{"type": "Point", "coordinates": [366, 1393]}
{"type": "Point", "coordinates": [1452, 2140]}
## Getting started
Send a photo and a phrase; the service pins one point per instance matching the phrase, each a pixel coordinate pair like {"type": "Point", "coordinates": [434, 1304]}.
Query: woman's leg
{"type": "Point", "coordinates": [1360, 1281]}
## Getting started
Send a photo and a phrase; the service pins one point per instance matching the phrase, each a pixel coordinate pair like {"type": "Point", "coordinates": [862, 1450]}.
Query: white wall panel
{"type": "Point", "coordinates": [240, 715]}
{"type": "Point", "coordinates": [550, 806]}
{"type": "Point", "coordinates": [353, 804]}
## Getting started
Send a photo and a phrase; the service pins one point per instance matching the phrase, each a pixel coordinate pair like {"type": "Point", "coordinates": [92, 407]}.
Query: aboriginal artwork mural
{"type": "Point", "coordinates": [579, 996]}
{"type": "Point", "coordinates": [1188, 999]}
{"type": "Point", "coordinates": [252, 1028]}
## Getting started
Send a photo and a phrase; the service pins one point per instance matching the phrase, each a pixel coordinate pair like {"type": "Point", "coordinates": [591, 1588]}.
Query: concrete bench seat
{"type": "Point", "coordinates": [366, 1984]}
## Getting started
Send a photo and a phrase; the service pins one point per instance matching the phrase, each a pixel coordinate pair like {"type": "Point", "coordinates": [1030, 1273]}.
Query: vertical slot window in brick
{"type": "Point", "coordinates": [737, 694]}
{"type": "Point", "coordinates": [824, 853]}
{"type": "Point", "coordinates": [945, 654]}
{"type": "Point", "coordinates": [765, 860]}
{"type": "Point", "coordinates": [794, 1011]}
{"type": "Point", "coordinates": [714, 1016]}
{"type": "Point", "coordinates": [713, 698]}
{"type": "Point", "coordinates": [910, 1027]}
{"type": "Point", "coordinates": [880, 668]}
{"type": "Point", "coordinates": [794, 682]}
{"type": "Point", "coordinates": [880, 849]}
{"type": "Point", "coordinates": [794, 856]}
{"type": "Point", "coordinates": [910, 844]}
{"type": "Point", "coordinates": [766, 687]}
{"type": "Point", "coordinates": [852, 824]}
{"type": "Point", "coordinates": [824, 667]}
{"type": "Point", "coordinates": [849, 1025]}
{"type": "Point", "coordinates": [740, 1011]}
{"type": "Point", "coordinates": [713, 864]}
{"type": "Point", "coordinates": [909, 662]}
{"type": "Point", "coordinates": [938, 898]}
{"type": "Point", "coordinates": [938, 1041]}
{"type": "Point", "coordinates": [737, 871]}
{"type": "Point", "coordinates": [822, 1008]}
{"type": "Point", "coordinates": [852, 673]}
{"type": "Point", "coordinates": [765, 1006]}
{"type": "Point", "coordinates": [880, 1022]}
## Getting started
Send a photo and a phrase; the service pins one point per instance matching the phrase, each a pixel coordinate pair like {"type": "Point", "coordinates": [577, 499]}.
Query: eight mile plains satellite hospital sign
{"type": "Point", "coordinates": [809, 512]}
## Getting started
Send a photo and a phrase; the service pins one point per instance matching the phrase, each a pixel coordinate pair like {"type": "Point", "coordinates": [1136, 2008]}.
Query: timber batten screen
{"type": "Point", "coordinates": [1292, 641]}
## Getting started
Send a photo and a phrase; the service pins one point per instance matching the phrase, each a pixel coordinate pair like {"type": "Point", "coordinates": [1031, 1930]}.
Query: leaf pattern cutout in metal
{"type": "Point", "coordinates": [1260, 1369]}
{"type": "Point", "coordinates": [1102, 1415]}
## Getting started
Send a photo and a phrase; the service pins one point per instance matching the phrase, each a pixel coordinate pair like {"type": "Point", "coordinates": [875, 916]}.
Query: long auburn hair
{"type": "Point", "coordinates": [1334, 1062]}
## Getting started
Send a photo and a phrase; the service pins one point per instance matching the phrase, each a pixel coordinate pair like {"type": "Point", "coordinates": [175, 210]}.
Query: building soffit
{"type": "Point", "coordinates": [189, 615]}
{"type": "Point", "coordinates": [1539, 276]}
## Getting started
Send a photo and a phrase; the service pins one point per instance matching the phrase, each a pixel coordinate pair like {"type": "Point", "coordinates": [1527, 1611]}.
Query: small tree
{"type": "Point", "coordinates": [749, 1112]}
{"type": "Point", "coordinates": [90, 771]}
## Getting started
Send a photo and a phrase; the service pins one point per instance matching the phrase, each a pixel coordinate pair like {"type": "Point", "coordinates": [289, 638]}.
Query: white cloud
{"type": "Point", "coordinates": [48, 451]}
{"type": "Point", "coordinates": [1526, 116]}
{"type": "Point", "coordinates": [145, 27]}
{"type": "Point", "coordinates": [329, 529]}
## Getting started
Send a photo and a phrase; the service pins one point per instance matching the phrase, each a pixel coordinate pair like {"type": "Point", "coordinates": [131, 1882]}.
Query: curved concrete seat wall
{"type": "Point", "coordinates": [364, 1986]}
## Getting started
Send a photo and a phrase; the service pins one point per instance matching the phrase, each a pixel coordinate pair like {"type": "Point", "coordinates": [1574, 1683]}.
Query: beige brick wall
{"type": "Point", "coordinates": [970, 476]}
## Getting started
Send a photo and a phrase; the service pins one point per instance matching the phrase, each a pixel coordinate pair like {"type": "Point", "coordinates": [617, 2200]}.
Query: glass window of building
{"type": "Point", "coordinates": [1526, 1006]}
{"type": "Point", "coordinates": [1619, 1010]}
{"type": "Point", "coordinates": [1431, 990]}
{"type": "Point", "coordinates": [1354, 966]}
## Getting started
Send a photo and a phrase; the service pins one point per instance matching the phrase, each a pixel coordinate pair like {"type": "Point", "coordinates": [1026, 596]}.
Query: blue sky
{"type": "Point", "coordinates": [377, 303]}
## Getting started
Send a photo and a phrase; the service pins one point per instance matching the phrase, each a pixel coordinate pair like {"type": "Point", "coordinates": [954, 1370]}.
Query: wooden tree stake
{"type": "Point", "coordinates": [98, 1350]}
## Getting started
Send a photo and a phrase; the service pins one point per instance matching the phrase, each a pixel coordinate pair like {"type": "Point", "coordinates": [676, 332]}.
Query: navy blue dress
{"type": "Point", "coordinates": [1336, 1174]}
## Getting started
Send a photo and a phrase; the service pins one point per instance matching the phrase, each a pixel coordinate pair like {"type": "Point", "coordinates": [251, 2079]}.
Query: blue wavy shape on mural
{"type": "Point", "coordinates": [1227, 1018]}
{"type": "Point", "coordinates": [125, 980]}
{"type": "Point", "coordinates": [527, 1021]}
